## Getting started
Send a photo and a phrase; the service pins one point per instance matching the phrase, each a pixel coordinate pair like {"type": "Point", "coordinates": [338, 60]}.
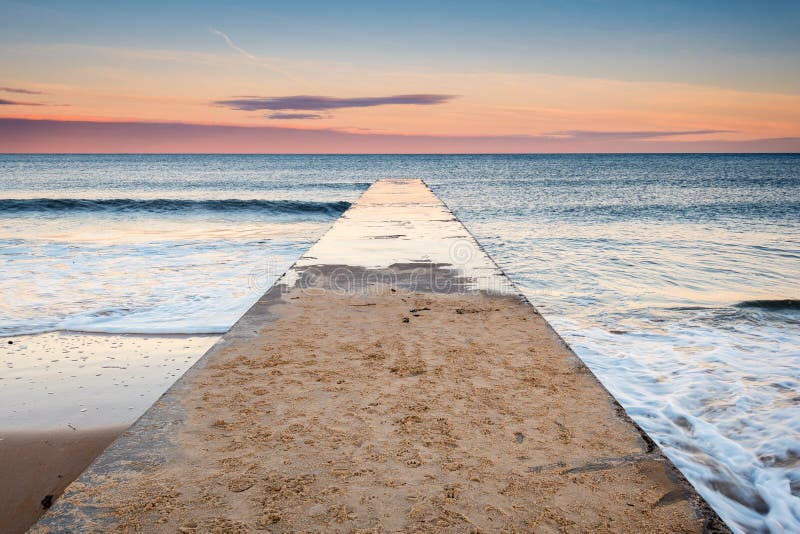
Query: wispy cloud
{"type": "Point", "coordinates": [261, 62]}
{"type": "Point", "coordinates": [590, 135]}
{"type": "Point", "coordinates": [5, 102]}
{"type": "Point", "coordinates": [233, 45]}
{"type": "Point", "coordinates": [285, 116]}
{"type": "Point", "coordinates": [21, 91]}
{"type": "Point", "coordinates": [320, 103]}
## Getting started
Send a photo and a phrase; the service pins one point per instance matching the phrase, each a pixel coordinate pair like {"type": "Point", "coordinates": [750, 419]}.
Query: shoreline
{"type": "Point", "coordinates": [67, 331]}
{"type": "Point", "coordinates": [66, 396]}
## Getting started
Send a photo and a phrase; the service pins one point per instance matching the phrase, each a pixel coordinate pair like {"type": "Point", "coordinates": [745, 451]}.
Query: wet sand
{"type": "Point", "coordinates": [75, 380]}
{"type": "Point", "coordinates": [65, 397]}
{"type": "Point", "coordinates": [397, 395]}
{"type": "Point", "coordinates": [35, 465]}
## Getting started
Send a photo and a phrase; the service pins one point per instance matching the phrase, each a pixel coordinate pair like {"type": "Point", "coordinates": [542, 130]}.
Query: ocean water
{"type": "Point", "coordinates": [675, 277]}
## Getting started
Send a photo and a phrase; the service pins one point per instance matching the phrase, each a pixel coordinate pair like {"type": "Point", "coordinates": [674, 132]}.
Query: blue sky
{"type": "Point", "coordinates": [752, 45]}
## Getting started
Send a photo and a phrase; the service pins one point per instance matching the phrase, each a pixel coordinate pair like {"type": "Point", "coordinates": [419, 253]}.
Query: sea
{"type": "Point", "coordinates": [676, 278]}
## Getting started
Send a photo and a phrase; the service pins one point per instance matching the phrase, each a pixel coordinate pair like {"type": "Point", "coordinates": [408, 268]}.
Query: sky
{"type": "Point", "coordinates": [413, 76]}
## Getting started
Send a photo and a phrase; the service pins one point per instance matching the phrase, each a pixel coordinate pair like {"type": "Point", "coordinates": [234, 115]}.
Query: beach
{"type": "Point", "coordinates": [378, 387]}
{"type": "Point", "coordinates": [697, 350]}
{"type": "Point", "coordinates": [400, 267]}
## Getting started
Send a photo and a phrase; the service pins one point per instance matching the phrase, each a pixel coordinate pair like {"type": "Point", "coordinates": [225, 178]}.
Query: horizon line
{"type": "Point", "coordinates": [400, 153]}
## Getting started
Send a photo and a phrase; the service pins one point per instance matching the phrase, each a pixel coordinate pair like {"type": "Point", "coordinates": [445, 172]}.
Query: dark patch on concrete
{"type": "Point", "coordinates": [425, 277]}
{"type": "Point", "coordinates": [602, 464]}
{"type": "Point", "coordinates": [546, 467]}
{"type": "Point", "coordinates": [672, 496]}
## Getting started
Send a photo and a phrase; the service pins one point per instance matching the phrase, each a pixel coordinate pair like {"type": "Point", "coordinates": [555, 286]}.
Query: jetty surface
{"type": "Point", "coordinates": [392, 380]}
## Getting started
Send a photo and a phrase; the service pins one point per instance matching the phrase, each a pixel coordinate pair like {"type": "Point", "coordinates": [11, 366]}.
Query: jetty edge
{"type": "Point", "coordinates": [393, 379]}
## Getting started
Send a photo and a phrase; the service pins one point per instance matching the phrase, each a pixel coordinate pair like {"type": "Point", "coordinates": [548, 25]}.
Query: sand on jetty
{"type": "Point", "coordinates": [340, 416]}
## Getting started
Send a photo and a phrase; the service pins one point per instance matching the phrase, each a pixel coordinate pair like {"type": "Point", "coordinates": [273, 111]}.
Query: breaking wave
{"type": "Point", "coordinates": [162, 205]}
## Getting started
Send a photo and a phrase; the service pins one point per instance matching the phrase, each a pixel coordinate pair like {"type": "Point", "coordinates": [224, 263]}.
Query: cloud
{"type": "Point", "coordinates": [4, 102]}
{"type": "Point", "coordinates": [294, 116]}
{"type": "Point", "coordinates": [233, 46]}
{"type": "Point", "coordinates": [321, 103]}
{"type": "Point", "coordinates": [592, 135]}
{"type": "Point", "coordinates": [21, 91]}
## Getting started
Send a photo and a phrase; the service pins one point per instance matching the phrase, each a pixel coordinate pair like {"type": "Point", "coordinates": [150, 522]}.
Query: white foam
{"type": "Point", "coordinates": [726, 415]}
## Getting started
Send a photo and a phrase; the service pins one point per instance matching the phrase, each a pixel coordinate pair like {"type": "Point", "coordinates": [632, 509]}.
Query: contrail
{"type": "Point", "coordinates": [255, 59]}
{"type": "Point", "coordinates": [233, 46]}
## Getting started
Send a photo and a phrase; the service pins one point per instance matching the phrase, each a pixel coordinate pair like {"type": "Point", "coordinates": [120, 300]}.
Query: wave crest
{"type": "Point", "coordinates": [777, 304]}
{"type": "Point", "coordinates": [163, 205]}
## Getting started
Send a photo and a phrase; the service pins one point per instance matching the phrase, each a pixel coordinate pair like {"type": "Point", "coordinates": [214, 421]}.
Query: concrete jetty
{"type": "Point", "coordinates": [392, 380]}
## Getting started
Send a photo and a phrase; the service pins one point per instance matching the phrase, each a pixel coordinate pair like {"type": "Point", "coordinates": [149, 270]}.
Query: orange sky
{"type": "Point", "coordinates": [114, 82]}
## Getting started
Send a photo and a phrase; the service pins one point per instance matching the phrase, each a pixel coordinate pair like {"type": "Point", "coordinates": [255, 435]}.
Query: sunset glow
{"type": "Point", "coordinates": [709, 83]}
